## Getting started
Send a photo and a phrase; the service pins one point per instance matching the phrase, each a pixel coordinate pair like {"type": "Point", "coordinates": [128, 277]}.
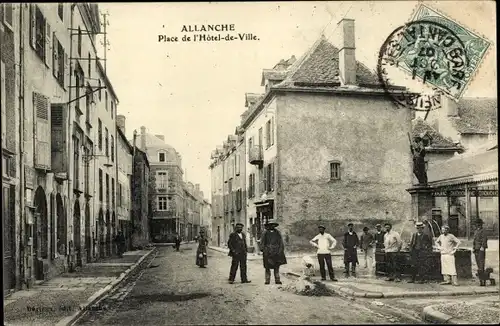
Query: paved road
{"type": "Point", "coordinates": [174, 291]}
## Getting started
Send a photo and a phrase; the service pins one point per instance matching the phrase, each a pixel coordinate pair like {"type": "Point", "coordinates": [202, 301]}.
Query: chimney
{"type": "Point", "coordinates": [143, 138]}
{"type": "Point", "coordinates": [162, 137]}
{"type": "Point", "coordinates": [120, 122]}
{"type": "Point", "coordinates": [449, 106]}
{"type": "Point", "coordinates": [197, 186]}
{"type": "Point", "coordinates": [347, 57]}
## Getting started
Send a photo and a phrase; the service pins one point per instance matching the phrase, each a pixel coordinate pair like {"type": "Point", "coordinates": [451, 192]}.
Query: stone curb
{"type": "Point", "coordinates": [167, 244]}
{"type": "Point", "coordinates": [408, 294]}
{"type": "Point", "coordinates": [434, 316]}
{"type": "Point", "coordinates": [102, 292]}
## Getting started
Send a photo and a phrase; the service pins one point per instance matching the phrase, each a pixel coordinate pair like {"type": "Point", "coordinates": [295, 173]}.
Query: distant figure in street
{"type": "Point", "coordinates": [479, 246]}
{"type": "Point", "coordinates": [350, 243]}
{"type": "Point", "coordinates": [367, 247]}
{"type": "Point", "coordinates": [273, 252]}
{"type": "Point", "coordinates": [392, 247]}
{"type": "Point", "coordinates": [201, 251]}
{"type": "Point", "coordinates": [177, 241]}
{"type": "Point", "coordinates": [237, 245]}
{"type": "Point", "coordinates": [379, 238]}
{"type": "Point", "coordinates": [324, 242]}
{"type": "Point", "coordinates": [448, 244]}
{"type": "Point", "coordinates": [420, 250]}
{"type": "Point", "coordinates": [120, 243]}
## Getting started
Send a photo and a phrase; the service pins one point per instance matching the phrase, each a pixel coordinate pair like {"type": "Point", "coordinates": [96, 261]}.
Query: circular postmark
{"type": "Point", "coordinates": [429, 57]}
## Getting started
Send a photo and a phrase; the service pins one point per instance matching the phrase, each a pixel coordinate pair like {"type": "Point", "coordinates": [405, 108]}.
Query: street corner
{"type": "Point", "coordinates": [470, 312]}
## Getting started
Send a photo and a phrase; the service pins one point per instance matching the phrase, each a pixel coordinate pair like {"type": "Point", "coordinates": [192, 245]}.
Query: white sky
{"type": "Point", "coordinates": [193, 93]}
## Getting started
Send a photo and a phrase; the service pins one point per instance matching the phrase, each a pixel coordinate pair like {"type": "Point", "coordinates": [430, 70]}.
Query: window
{"type": "Point", "coordinates": [263, 180]}
{"type": "Point", "coordinates": [100, 89]}
{"type": "Point", "coordinates": [334, 170]}
{"type": "Point", "coordinates": [260, 138]}
{"type": "Point", "coordinates": [3, 104]}
{"type": "Point", "coordinates": [39, 33]}
{"type": "Point", "coordinates": [43, 137]}
{"type": "Point", "coordinates": [237, 163]}
{"type": "Point", "coordinates": [272, 131]}
{"type": "Point", "coordinates": [60, 61]}
{"type": "Point", "coordinates": [270, 177]}
{"type": "Point", "coordinates": [8, 15]}
{"type": "Point", "coordinates": [76, 164]}
{"type": "Point", "coordinates": [106, 141]}
{"type": "Point", "coordinates": [162, 203]}
{"type": "Point", "coordinates": [88, 101]}
{"type": "Point", "coordinates": [113, 191]}
{"type": "Point", "coordinates": [162, 179]}
{"type": "Point", "coordinates": [100, 185]}
{"type": "Point", "coordinates": [99, 136]}
{"type": "Point", "coordinates": [79, 41]}
{"type": "Point", "coordinates": [112, 148]}
{"type": "Point", "coordinates": [120, 194]}
{"type": "Point", "coordinates": [112, 105]}
{"type": "Point", "coordinates": [89, 69]}
{"type": "Point", "coordinates": [60, 11]}
{"type": "Point", "coordinates": [268, 134]}
{"type": "Point", "coordinates": [107, 188]}
{"type": "Point", "coordinates": [87, 171]}
{"type": "Point", "coordinates": [161, 157]}
{"type": "Point", "coordinates": [79, 81]}
{"type": "Point", "coordinates": [251, 185]}
{"type": "Point", "coordinates": [106, 99]}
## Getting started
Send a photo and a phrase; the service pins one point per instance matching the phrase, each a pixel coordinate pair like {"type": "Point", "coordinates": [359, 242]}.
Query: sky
{"type": "Point", "coordinates": [194, 93]}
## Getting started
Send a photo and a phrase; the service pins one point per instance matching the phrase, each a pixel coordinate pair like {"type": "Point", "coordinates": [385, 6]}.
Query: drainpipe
{"type": "Point", "coordinates": [22, 202]}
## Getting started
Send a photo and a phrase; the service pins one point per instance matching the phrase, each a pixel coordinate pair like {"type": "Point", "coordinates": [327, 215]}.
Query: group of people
{"type": "Point", "coordinates": [387, 241]}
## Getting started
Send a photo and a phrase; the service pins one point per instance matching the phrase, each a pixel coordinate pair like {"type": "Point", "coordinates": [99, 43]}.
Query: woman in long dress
{"type": "Point", "coordinates": [448, 244]}
{"type": "Point", "coordinates": [201, 251]}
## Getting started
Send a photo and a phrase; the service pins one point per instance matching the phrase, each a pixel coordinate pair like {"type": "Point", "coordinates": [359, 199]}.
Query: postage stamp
{"type": "Point", "coordinates": [434, 50]}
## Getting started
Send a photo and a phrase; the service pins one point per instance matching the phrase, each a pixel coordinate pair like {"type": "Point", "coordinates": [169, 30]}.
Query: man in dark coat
{"type": "Point", "coordinates": [379, 238]}
{"type": "Point", "coordinates": [420, 249]}
{"type": "Point", "coordinates": [273, 252]}
{"type": "Point", "coordinates": [479, 246]}
{"type": "Point", "coordinates": [177, 242]}
{"type": "Point", "coordinates": [120, 243]}
{"type": "Point", "coordinates": [237, 245]}
{"type": "Point", "coordinates": [350, 243]}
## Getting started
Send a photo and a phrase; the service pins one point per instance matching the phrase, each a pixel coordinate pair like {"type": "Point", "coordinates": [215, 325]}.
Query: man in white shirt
{"type": "Point", "coordinates": [324, 242]}
{"type": "Point", "coordinates": [392, 245]}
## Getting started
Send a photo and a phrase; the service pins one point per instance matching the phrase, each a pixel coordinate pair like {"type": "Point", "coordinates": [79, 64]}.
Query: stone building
{"type": "Point", "coordinates": [206, 218]}
{"type": "Point", "coordinates": [193, 199]}
{"type": "Point", "coordinates": [229, 187]}
{"type": "Point", "coordinates": [140, 221]}
{"type": "Point", "coordinates": [326, 145]}
{"type": "Point", "coordinates": [124, 152]}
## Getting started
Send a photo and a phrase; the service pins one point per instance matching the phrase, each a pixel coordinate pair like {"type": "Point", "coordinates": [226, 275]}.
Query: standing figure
{"type": "Point", "coordinates": [367, 242]}
{"type": "Point", "coordinates": [448, 244]}
{"type": "Point", "coordinates": [379, 238]}
{"type": "Point", "coordinates": [479, 246]}
{"type": "Point", "coordinates": [324, 242]}
{"type": "Point", "coordinates": [237, 245]}
{"type": "Point", "coordinates": [350, 243]}
{"type": "Point", "coordinates": [273, 252]}
{"type": "Point", "coordinates": [120, 243]}
{"type": "Point", "coordinates": [392, 247]}
{"type": "Point", "coordinates": [420, 249]}
{"type": "Point", "coordinates": [418, 151]}
{"type": "Point", "coordinates": [177, 242]}
{"type": "Point", "coordinates": [201, 251]}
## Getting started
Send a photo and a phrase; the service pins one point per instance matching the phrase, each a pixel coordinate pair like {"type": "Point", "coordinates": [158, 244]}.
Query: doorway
{"type": "Point", "coordinates": [77, 227]}
{"type": "Point", "coordinates": [8, 225]}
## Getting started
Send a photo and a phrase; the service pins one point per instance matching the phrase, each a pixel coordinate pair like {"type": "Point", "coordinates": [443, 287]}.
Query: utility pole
{"type": "Point", "coordinates": [105, 23]}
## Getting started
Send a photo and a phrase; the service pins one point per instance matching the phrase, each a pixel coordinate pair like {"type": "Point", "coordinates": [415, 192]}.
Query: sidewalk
{"type": "Point", "coordinates": [482, 311]}
{"type": "Point", "coordinates": [62, 299]}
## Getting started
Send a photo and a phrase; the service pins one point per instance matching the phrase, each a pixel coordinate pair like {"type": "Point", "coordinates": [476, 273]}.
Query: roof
{"type": "Point", "coordinates": [271, 74]}
{"type": "Point", "coordinates": [320, 65]}
{"type": "Point", "coordinates": [476, 116]}
{"type": "Point", "coordinates": [153, 141]}
{"type": "Point", "coordinates": [464, 166]}
{"type": "Point", "coordinates": [124, 138]}
{"type": "Point", "coordinates": [251, 98]}
{"type": "Point", "coordinates": [419, 126]}
{"type": "Point", "coordinates": [106, 80]}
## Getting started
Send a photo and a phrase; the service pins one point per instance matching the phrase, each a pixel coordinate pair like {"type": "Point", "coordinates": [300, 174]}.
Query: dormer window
{"type": "Point", "coordinates": [161, 157]}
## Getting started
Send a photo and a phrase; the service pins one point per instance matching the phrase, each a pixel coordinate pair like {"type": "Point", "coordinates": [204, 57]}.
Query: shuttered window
{"type": "Point", "coordinates": [41, 104]}
{"type": "Point", "coordinates": [3, 104]}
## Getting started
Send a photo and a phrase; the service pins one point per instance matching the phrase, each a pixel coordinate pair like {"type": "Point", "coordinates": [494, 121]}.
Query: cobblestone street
{"type": "Point", "coordinates": [174, 291]}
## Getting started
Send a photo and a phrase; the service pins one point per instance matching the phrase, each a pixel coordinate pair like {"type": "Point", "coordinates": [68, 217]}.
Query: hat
{"type": "Point", "coordinates": [378, 225]}
{"type": "Point", "coordinates": [479, 221]}
{"type": "Point", "coordinates": [350, 224]}
{"type": "Point", "coordinates": [419, 224]}
{"type": "Point", "coordinates": [271, 224]}
{"type": "Point", "coordinates": [239, 224]}
{"type": "Point", "coordinates": [321, 227]}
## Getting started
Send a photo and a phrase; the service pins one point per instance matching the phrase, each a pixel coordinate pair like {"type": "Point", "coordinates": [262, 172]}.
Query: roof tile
{"type": "Point", "coordinates": [476, 116]}
{"type": "Point", "coordinates": [419, 126]}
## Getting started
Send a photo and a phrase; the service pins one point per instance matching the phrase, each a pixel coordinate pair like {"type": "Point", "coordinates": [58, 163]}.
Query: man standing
{"type": "Point", "coordinates": [120, 243]}
{"type": "Point", "coordinates": [379, 238]}
{"type": "Point", "coordinates": [273, 252]}
{"type": "Point", "coordinates": [324, 242]}
{"type": "Point", "coordinates": [177, 242]}
{"type": "Point", "coordinates": [237, 245]}
{"type": "Point", "coordinates": [392, 245]}
{"type": "Point", "coordinates": [367, 242]}
{"type": "Point", "coordinates": [479, 246]}
{"type": "Point", "coordinates": [448, 245]}
{"type": "Point", "coordinates": [350, 243]}
{"type": "Point", "coordinates": [420, 249]}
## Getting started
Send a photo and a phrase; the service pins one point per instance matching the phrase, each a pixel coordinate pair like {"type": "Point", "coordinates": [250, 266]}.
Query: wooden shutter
{"type": "Point", "coordinates": [41, 104]}
{"type": "Point", "coordinates": [33, 25]}
{"type": "Point", "coordinates": [272, 131]}
{"type": "Point", "coordinates": [263, 182]}
{"type": "Point", "coordinates": [3, 104]}
{"type": "Point", "coordinates": [48, 45]}
{"type": "Point", "coordinates": [66, 73]}
{"type": "Point", "coordinates": [58, 138]}
{"type": "Point", "coordinates": [271, 176]}
{"type": "Point", "coordinates": [55, 56]}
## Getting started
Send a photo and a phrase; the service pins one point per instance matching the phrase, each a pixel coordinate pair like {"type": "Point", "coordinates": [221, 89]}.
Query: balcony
{"type": "Point", "coordinates": [255, 156]}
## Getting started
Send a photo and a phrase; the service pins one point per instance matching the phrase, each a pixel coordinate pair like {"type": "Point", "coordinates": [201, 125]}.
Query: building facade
{"type": "Point", "coordinates": [124, 152]}
{"type": "Point", "coordinates": [140, 220]}
{"type": "Point", "coordinates": [166, 194]}
{"type": "Point", "coordinates": [217, 184]}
